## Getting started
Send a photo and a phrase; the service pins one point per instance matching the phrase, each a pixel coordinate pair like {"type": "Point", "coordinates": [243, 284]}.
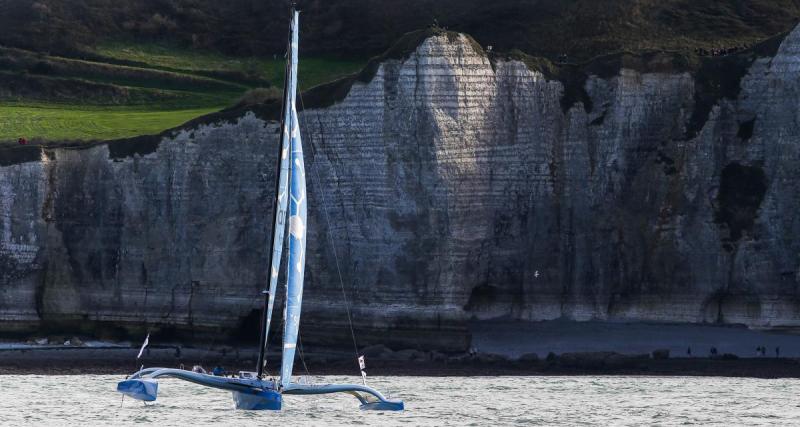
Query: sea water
{"type": "Point", "coordinates": [478, 401]}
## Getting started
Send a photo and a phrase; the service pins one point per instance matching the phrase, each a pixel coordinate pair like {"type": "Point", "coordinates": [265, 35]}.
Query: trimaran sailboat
{"type": "Point", "coordinates": [251, 390]}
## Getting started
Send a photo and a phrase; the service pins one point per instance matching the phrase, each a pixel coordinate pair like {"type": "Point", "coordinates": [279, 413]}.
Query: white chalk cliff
{"type": "Point", "coordinates": [456, 187]}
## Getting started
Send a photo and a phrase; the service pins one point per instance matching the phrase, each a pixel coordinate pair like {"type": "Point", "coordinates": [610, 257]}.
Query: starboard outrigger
{"type": "Point", "coordinates": [253, 391]}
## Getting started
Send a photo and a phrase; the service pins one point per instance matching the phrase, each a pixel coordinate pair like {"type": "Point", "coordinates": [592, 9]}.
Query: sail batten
{"type": "Point", "coordinates": [297, 221]}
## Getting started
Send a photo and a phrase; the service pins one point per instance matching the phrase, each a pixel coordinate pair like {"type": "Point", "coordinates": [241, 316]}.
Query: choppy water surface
{"type": "Point", "coordinates": [91, 400]}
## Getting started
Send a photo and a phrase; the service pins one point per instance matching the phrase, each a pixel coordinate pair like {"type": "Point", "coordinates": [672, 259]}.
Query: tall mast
{"type": "Point", "coordinates": [279, 211]}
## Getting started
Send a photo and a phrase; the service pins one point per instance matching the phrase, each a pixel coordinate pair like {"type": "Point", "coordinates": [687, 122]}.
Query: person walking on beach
{"type": "Point", "coordinates": [689, 352]}
{"type": "Point", "coordinates": [777, 352]}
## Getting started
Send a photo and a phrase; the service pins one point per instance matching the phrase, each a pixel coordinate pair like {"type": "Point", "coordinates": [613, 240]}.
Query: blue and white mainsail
{"type": "Point", "coordinates": [297, 222]}
{"type": "Point", "coordinates": [281, 205]}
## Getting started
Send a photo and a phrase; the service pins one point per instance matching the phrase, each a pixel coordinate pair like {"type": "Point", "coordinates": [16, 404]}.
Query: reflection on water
{"type": "Point", "coordinates": [91, 400]}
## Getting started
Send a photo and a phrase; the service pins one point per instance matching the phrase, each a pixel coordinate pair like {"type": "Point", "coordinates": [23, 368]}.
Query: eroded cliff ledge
{"type": "Point", "coordinates": [456, 187]}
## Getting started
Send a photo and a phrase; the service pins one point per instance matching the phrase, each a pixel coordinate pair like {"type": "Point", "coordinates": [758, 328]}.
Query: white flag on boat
{"type": "Point", "coordinates": [144, 344]}
{"type": "Point", "coordinates": [363, 365]}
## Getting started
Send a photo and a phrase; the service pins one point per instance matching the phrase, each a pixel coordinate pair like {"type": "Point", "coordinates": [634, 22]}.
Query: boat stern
{"type": "Point", "coordinates": [139, 389]}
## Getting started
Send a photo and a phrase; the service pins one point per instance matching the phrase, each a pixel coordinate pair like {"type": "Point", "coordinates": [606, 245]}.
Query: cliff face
{"type": "Point", "coordinates": [453, 187]}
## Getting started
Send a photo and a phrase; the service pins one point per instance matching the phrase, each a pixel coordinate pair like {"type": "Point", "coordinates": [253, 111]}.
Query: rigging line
{"type": "Point", "coordinates": [317, 181]}
{"type": "Point", "coordinates": [302, 354]}
{"type": "Point", "coordinates": [281, 327]}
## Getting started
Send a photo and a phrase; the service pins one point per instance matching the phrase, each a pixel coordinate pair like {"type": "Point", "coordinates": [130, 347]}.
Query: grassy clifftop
{"type": "Point", "coordinates": [123, 89]}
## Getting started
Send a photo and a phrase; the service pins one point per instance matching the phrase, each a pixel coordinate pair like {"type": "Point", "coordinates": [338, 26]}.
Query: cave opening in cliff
{"type": "Point", "coordinates": [741, 192]}
{"type": "Point", "coordinates": [248, 329]}
{"type": "Point", "coordinates": [746, 130]}
{"type": "Point", "coordinates": [485, 302]}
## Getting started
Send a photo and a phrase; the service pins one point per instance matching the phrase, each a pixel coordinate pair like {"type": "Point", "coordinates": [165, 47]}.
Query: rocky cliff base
{"type": "Point", "coordinates": [410, 363]}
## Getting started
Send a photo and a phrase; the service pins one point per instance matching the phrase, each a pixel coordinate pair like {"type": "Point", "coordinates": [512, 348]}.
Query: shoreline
{"type": "Point", "coordinates": [122, 361]}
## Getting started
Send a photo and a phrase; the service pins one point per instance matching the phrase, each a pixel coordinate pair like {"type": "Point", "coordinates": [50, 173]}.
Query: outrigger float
{"type": "Point", "coordinates": [251, 391]}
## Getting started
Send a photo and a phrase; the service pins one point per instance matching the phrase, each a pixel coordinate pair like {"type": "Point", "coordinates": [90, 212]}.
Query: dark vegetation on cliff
{"type": "Point", "coordinates": [581, 29]}
{"type": "Point", "coordinates": [98, 69]}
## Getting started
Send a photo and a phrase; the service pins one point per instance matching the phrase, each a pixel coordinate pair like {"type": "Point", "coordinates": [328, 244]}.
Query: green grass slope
{"type": "Point", "coordinates": [80, 122]}
{"type": "Point", "coordinates": [314, 70]}
{"type": "Point", "coordinates": [130, 89]}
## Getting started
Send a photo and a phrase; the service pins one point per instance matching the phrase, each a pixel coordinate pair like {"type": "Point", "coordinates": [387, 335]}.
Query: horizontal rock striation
{"type": "Point", "coordinates": [448, 187]}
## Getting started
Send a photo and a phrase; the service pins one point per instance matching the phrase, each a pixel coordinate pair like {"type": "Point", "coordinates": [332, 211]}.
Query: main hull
{"type": "Point", "coordinates": [257, 400]}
